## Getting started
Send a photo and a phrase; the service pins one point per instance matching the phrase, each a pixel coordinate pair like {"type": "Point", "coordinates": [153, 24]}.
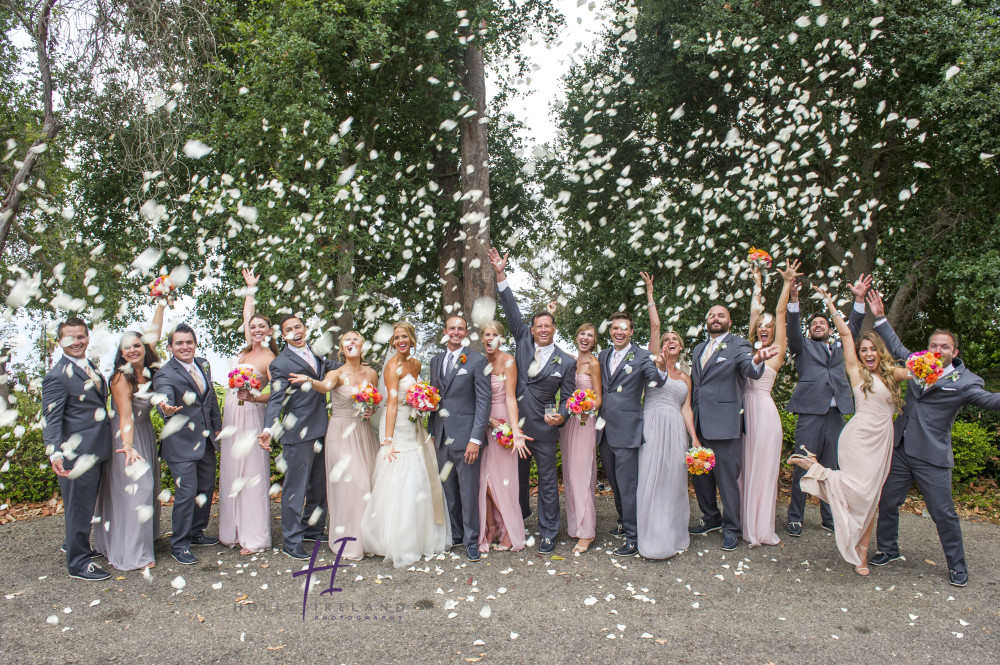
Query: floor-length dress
{"type": "Point", "coordinates": [350, 461]}
{"type": "Point", "coordinates": [498, 477]}
{"type": "Point", "coordinates": [662, 505]}
{"type": "Point", "coordinates": [127, 502]}
{"type": "Point", "coordinates": [406, 517]}
{"type": "Point", "coordinates": [578, 444]}
{"type": "Point", "coordinates": [864, 453]}
{"type": "Point", "coordinates": [244, 474]}
{"type": "Point", "coordinates": [761, 460]}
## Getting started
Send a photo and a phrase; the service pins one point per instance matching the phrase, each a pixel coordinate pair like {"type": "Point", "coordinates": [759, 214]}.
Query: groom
{"type": "Point", "coordinates": [543, 371]}
{"type": "Point", "coordinates": [721, 365]}
{"type": "Point", "coordinates": [626, 370]}
{"type": "Point", "coordinates": [459, 429]}
{"type": "Point", "coordinates": [297, 417]}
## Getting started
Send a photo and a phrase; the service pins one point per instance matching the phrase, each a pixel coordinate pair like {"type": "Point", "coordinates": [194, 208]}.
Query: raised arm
{"type": "Point", "coordinates": [856, 317]}
{"type": "Point", "coordinates": [788, 276]}
{"type": "Point", "coordinates": [654, 316]}
{"type": "Point", "coordinates": [884, 329]}
{"type": "Point", "coordinates": [846, 337]}
{"type": "Point", "coordinates": [155, 325]}
{"type": "Point", "coordinates": [515, 322]}
{"type": "Point", "coordinates": [793, 326]}
{"type": "Point", "coordinates": [757, 298]}
{"type": "Point", "coordinates": [249, 303]}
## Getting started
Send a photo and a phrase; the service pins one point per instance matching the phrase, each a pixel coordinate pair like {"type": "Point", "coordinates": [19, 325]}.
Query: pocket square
{"type": "Point", "coordinates": [951, 390]}
{"type": "Point", "coordinates": [462, 371]}
{"type": "Point", "coordinates": [720, 360]}
{"type": "Point", "coordinates": [556, 374]}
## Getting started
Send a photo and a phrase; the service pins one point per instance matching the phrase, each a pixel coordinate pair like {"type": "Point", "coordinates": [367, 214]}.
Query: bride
{"type": "Point", "coordinates": [406, 515]}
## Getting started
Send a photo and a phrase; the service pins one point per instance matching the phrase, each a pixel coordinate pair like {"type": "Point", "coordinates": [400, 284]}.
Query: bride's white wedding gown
{"type": "Point", "coordinates": [400, 522]}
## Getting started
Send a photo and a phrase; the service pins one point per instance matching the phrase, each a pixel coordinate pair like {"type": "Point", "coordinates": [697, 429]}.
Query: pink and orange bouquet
{"type": "Point", "coordinates": [759, 257]}
{"type": "Point", "coordinates": [243, 378]}
{"type": "Point", "coordinates": [366, 398]}
{"type": "Point", "coordinates": [926, 367]}
{"type": "Point", "coordinates": [582, 404]}
{"type": "Point", "coordinates": [162, 287]}
{"type": "Point", "coordinates": [700, 461]}
{"type": "Point", "coordinates": [503, 434]}
{"type": "Point", "coordinates": [422, 397]}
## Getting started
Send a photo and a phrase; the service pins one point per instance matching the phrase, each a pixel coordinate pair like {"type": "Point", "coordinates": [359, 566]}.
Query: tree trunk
{"type": "Point", "coordinates": [478, 280]}
{"type": "Point", "coordinates": [344, 290]}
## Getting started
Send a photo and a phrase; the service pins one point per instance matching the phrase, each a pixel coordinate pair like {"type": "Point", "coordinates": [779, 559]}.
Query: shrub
{"type": "Point", "coordinates": [30, 478]}
{"type": "Point", "coordinates": [974, 448]}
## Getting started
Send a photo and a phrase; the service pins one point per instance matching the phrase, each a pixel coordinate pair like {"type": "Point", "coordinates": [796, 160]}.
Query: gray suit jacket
{"type": "Point", "coordinates": [292, 414]}
{"type": "Point", "coordinates": [622, 392]}
{"type": "Point", "coordinates": [202, 418]}
{"type": "Point", "coordinates": [822, 375]}
{"type": "Point", "coordinates": [928, 415]}
{"type": "Point", "coordinates": [558, 375]}
{"type": "Point", "coordinates": [717, 390]}
{"type": "Point", "coordinates": [466, 395]}
{"type": "Point", "coordinates": [74, 412]}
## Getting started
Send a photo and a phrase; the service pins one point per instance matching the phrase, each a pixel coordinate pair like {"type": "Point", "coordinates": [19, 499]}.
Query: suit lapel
{"type": "Point", "coordinates": [547, 367]}
{"type": "Point", "coordinates": [302, 363]}
{"type": "Point", "coordinates": [187, 375]}
{"type": "Point", "coordinates": [627, 350]}
{"type": "Point", "coordinates": [948, 378]}
{"type": "Point", "coordinates": [100, 386]}
{"type": "Point", "coordinates": [715, 353]}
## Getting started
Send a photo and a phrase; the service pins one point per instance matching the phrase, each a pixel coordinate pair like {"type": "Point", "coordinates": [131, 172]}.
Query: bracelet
{"type": "Point", "coordinates": [837, 313]}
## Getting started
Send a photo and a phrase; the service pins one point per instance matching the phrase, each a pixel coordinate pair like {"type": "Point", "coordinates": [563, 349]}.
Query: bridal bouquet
{"type": "Point", "coordinates": [582, 404]}
{"type": "Point", "coordinates": [243, 377]}
{"type": "Point", "coordinates": [162, 287]}
{"type": "Point", "coordinates": [926, 367]}
{"type": "Point", "coordinates": [700, 461]}
{"type": "Point", "coordinates": [503, 435]}
{"type": "Point", "coordinates": [760, 257]}
{"type": "Point", "coordinates": [366, 398]}
{"type": "Point", "coordinates": [422, 397]}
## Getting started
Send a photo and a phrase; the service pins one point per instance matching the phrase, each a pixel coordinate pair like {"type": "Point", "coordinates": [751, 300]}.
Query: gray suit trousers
{"type": "Point", "coordinates": [79, 502]}
{"type": "Point", "coordinates": [725, 478]}
{"type": "Point", "coordinates": [461, 489]}
{"type": "Point", "coordinates": [191, 478]}
{"type": "Point", "coordinates": [303, 491]}
{"type": "Point", "coordinates": [934, 483]}
{"type": "Point", "coordinates": [544, 453]}
{"type": "Point", "coordinates": [621, 466]}
{"type": "Point", "coordinates": [819, 435]}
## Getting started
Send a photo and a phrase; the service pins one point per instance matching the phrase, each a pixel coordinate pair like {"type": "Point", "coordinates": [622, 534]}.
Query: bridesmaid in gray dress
{"type": "Point", "coordinates": [662, 504]}
{"type": "Point", "coordinates": [127, 502]}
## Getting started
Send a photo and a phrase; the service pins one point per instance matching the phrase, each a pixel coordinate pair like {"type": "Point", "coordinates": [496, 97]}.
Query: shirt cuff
{"type": "Point", "coordinates": [879, 321]}
{"type": "Point", "coordinates": [793, 307]}
{"type": "Point", "coordinates": [502, 285]}
{"type": "Point", "coordinates": [476, 441]}
{"type": "Point", "coordinates": [663, 375]}
{"type": "Point", "coordinates": [859, 307]}
{"type": "Point", "coordinates": [268, 430]}
{"type": "Point", "coordinates": [757, 366]}
{"type": "Point", "coordinates": [54, 456]}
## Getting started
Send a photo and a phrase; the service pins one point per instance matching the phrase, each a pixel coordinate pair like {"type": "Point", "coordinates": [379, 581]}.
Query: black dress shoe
{"type": "Point", "coordinates": [295, 552]}
{"type": "Point", "coordinates": [957, 578]}
{"type": "Point", "coordinates": [323, 538]}
{"type": "Point", "coordinates": [472, 553]}
{"type": "Point", "coordinates": [628, 549]}
{"type": "Point", "coordinates": [184, 557]}
{"type": "Point", "coordinates": [619, 530]}
{"type": "Point", "coordinates": [701, 528]}
{"type": "Point", "coordinates": [730, 543]}
{"type": "Point", "coordinates": [93, 573]}
{"type": "Point", "coordinates": [829, 526]}
{"type": "Point", "coordinates": [546, 546]}
{"type": "Point", "coordinates": [880, 558]}
{"type": "Point", "coordinates": [204, 540]}
{"type": "Point", "coordinates": [794, 529]}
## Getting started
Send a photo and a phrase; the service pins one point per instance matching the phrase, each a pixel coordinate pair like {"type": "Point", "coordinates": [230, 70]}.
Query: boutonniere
{"type": "Point", "coordinates": [556, 360]}
{"type": "Point", "coordinates": [462, 359]}
{"type": "Point", "coordinates": [204, 367]}
{"type": "Point", "coordinates": [630, 356]}
{"type": "Point", "coordinates": [722, 347]}
{"type": "Point", "coordinates": [953, 377]}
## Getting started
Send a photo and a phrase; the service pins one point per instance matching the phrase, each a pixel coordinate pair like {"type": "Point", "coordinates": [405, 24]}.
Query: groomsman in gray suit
{"type": "Point", "coordinates": [546, 376]}
{"type": "Point", "coordinates": [822, 396]}
{"type": "Point", "coordinates": [922, 446]}
{"type": "Point", "coordinates": [76, 430]}
{"type": "Point", "coordinates": [297, 417]}
{"type": "Point", "coordinates": [459, 429]}
{"type": "Point", "coordinates": [721, 365]}
{"type": "Point", "coordinates": [193, 419]}
{"type": "Point", "coordinates": [626, 371]}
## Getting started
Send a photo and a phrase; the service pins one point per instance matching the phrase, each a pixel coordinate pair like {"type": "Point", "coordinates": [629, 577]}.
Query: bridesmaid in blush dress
{"type": "Point", "coordinates": [499, 509]}
{"type": "Point", "coordinates": [762, 439]}
{"type": "Point", "coordinates": [865, 444]}
{"type": "Point", "coordinates": [244, 467]}
{"type": "Point", "coordinates": [127, 502]}
{"type": "Point", "coordinates": [663, 507]}
{"type": "Point", "coordinates": [578, 443]}
{"type": "Point", "coordinates": [350, 446]}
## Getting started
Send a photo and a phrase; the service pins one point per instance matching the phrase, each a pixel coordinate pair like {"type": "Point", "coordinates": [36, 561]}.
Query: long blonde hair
{"type": "Point", "coordinates": [764, 319]}
{"type": "Point", "coordinates": [886, 365]}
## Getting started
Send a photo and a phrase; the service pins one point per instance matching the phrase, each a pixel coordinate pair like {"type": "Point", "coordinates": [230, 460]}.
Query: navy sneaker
{"type": "Point", "coordinates": [880, 558]}
{"type": "Point", "coordinates": [730, 543]}
{"type": "Point", "coordinates": [957, 578]}
{"type": "Point", "coordinates": [184, 557]}
{"type": "Point", "coordinates": [472, 553]}
{"type": "Point", "coordinates": [701, 529]}
{"type": "Point", "coordinates": [546, 546]}
{"type": "Point", "coordinates": [795, 529]}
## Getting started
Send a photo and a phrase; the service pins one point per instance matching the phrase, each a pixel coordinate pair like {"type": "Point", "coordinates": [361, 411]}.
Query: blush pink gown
{"type": "Point", "coordinates": [578, 444]}
{"type": "Point", "coordinates": [244, 475]}
{"type": "Point", "coordinates": [350, 450]}
{"type": "Point", "coordinates": [761, 461]}
{"type": "Point", "coordinates": [498, 478]}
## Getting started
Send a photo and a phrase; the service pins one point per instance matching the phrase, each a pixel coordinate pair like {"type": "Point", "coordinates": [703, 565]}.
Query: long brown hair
{"type": "Point", "coordinates": [886, 365]}
{"type": "Point", "coordinates": [272, 344]}
{"type": "Point", "coordinates": [764, 319]}
{"type": "Point", "coordinates": [150, 362]}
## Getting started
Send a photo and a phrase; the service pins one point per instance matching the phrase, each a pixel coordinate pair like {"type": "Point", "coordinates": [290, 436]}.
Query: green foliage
{"type": "Point", "coordinates": [974, 447]}
{"type": "Point", "coordinates": [30, 478]}
{"type": "Point", "coordinates": [788, 422]}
